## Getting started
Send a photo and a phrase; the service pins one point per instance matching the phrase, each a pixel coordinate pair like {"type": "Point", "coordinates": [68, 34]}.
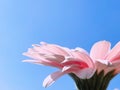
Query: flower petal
{"type": "Point", "coordinates": [116, 66]}
{"type": "Point", "coordinates": [33, 55]}
{"type": "Point", "coordinates": [39, 56]}
{"type": "Point", "coordinates": [105, 65]}
{"type": "Point", "coordinates": [74, 62]}
{"type": "Point", "coordinates": [99, 50]}
{"type": "Point", "coordinates": [82, 56]}
{"type": "Point", "coordinates": [80, 69]}
{"type": "Point", "coordinates": [39, 49]}
{"type": "Point", "coordinates": [85, 73]}
{"type": "Point", "coordinates": [55, 57]}
{"type": "Point", "coordinates": [52, 78]}
{"type": "Point", "coordinates": [45, 62]}
{"type": "Point", "coordinates": [114, 54]}
{"type": "Point", "coordinates": [55, 49]}
{"type": "Point", "coordinates": [81, 50]}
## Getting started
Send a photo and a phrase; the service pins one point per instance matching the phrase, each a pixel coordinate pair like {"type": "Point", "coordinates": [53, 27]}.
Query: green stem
{"type": "Point", "coordinates": [97, 82]}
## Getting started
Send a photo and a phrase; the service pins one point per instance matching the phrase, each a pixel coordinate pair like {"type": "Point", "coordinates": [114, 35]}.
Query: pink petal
{"type": "Point", "coordinates": [74, 62]}
{"type": "Point", "coordinates": [81, 50]}
{"type": "Point", "coordinates": [85, 73]}
{"type": "Point", "coordinates": [82, 56]}
{"type": "Point", "coordinates": [105, 65]}
{"type": "Point", "coordinates": [50, 49]}
{"type": "Point", "coordinates": [33, 55]}
{"type": "Point", "coordinates": [54, 49]}
{"type": "Point", "coordinates": [45, 62]}
{"type": "Point", "coordinates": [55, 57]}
{"type": "Point", "coordinates": [51, 57]}
{"type": "Point", "coordinates": [116, 65]}
{"type": "Point", "coordinates": [40, 49]}
{"type": "Point", "coordinates": [99, 50]}
{"type": "Point", "coordinates": [105, 62]}
{"type": "Point", "coordinates": [114, 53]}
{"type": "Point", "coordinates": [117, 70]}
{"type": "Point", "coordinates": [71, 68]}
{"type": "Point", "coordinates": [100, 65]}
{"type": "Point", "coordinates": [76, 67]}
{"type": "Point", "coordinates": [52, 78]}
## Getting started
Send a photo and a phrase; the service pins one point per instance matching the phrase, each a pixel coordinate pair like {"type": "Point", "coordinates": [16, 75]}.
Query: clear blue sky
{"type": "Point", "coordinates": [70, 23]}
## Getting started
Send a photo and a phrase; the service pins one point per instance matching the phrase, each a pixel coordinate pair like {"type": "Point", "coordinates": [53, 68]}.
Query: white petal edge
{"type": "Point", "coordinates": [50, 79]}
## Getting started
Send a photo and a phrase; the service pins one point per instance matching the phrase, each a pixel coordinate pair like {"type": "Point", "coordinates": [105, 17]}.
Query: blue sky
{"type": "Point", "coordinates": [70, 23]}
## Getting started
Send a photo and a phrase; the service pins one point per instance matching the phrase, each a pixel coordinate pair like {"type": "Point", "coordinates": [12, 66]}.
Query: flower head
{"type": "Point", "coordinates": [102, 63]}
{"type": "Point", "coordinates": [75, 61]}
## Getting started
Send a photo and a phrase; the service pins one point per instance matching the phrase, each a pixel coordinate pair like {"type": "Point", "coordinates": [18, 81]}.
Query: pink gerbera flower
{"type": "Point", "coordinates": [75, 61]}
{"type": "Point", "coordinates": [89, 71]}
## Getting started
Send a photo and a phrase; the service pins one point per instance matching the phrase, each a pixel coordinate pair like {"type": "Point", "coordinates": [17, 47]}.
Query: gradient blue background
{"type": "Point", "coordinates": [70, 23]}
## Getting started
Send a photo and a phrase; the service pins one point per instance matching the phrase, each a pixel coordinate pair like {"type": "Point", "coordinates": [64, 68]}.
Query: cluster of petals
{"type": "Point", "coordinates": [105, 58]}
{"type": "Point", "coordinates": [77, 61]}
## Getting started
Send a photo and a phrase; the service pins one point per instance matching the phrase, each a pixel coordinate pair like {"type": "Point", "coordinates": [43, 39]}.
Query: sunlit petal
{"type": "Point", "coordinates": [114, 54]}
{"type": "Point", "coordinates": [100, 49]}
{"type": "Point", "coordinates": [52, 78]}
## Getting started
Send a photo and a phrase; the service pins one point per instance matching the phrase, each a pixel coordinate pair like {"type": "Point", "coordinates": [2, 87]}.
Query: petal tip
{"type": "Point", "coordinates": [47, 83]}
{"type": "Point", "coordinates": [43, 43]}
{"type": "Point", "coordinates": [23, 53]}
